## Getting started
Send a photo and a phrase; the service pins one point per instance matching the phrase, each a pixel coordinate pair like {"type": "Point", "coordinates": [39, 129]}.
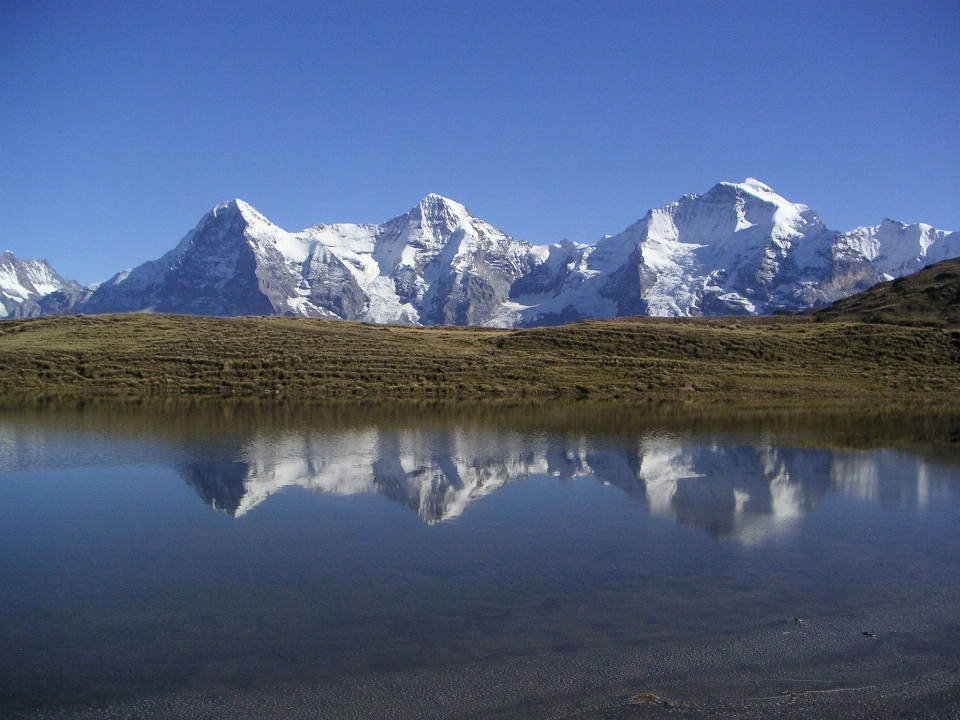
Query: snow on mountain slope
{"type": "Point", "coordinates": [25, 283]}
{"type": "Point", "coordinates": [353, 246]}
{"type": "Point", "coordinates": [898, 249]}
{"type": "Point", "coordinates": [739, 248]}
{"type": "Point", "coordinates": [451, 266]}
{"type": "Point", "coordinates": [435, 264]}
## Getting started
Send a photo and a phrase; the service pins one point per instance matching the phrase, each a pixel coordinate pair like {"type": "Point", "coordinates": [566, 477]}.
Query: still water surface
{"type": "Point", "coordinates": [457, 568]}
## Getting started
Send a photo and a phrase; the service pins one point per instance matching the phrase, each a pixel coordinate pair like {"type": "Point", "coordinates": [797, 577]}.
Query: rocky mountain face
{"type": "Point", "coordinates": [737, 249]}
{"type": "Point", "coordinates": [928, 297]}
{"type": "Point", "coordinates": [436, 264]}
{"type": "Point", "coordinates": [29, 288]}
{"type": "Point", "coordinates": [740, 248]}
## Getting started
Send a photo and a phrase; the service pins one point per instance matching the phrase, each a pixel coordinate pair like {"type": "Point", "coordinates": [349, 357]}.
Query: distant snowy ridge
{"type": "Point", "coordinates": [897, 249]}
{"type": "Point", "coordinates": [31, 287]}
{"type": "Point", "coordinates": [739, 248]}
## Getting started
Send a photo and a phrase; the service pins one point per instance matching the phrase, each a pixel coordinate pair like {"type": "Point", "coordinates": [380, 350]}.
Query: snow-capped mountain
{"type": "Point", "coordinates": [896, 249]}
{"type": "Point", "coordinates": [436, 264]}
{"type": "Point", "coordinates": [443, 266]}
{"type": "Point", "coordinates": [739, 248]}
{"type": "Point", "coordinates": [31, 287]}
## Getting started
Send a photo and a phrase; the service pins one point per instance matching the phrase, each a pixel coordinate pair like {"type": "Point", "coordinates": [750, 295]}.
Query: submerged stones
{"type": "Point", "coordinates": [648, 698]}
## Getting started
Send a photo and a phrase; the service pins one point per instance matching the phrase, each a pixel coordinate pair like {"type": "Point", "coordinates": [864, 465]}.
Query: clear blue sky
{"type": "Point", "coordinates": [121, 124]}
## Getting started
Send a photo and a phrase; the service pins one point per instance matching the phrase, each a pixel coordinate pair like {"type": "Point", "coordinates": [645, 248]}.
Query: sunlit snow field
{"type": "Point", "coordinates": [467, 569]}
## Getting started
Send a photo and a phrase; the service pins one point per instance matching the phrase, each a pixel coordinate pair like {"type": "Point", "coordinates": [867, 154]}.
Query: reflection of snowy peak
{"type": "Point", "coordinates": [752, 493]}
{"type": "Point", "coordinates": [739, 248]}
{"type": "Point", "coordinates": [746, 492]}
{"type": "Point", "coordinates": [437, 477]}
{"type": "Point", "coordinates": [25, 283]}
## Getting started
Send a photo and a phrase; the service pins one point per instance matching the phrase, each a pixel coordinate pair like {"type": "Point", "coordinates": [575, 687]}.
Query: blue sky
{"type": "Point", "coordinates": [121, 124]}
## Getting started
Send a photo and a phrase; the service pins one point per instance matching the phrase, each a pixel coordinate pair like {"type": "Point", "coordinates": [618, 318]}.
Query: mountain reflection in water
{"type": "Point", "coordinates": [747, 492]}
{"type": "Point", "coordinates": [577, 586]}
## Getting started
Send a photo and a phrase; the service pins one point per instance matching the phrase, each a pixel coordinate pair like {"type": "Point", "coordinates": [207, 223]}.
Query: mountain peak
{"type": "Point", "coordinates": [752, 186]}
{"type": "Point", "coordinates": [439, 213]}
{"type": "Point", "coordinates": [238, 207]}
{"type": "Point", "coordinates": [434, 204]}
{"type": "Point", "coordinates": [10, 257]}
{"type": "Point", "coordinates": [762, 192]}
{"type": "Point", "coordinates": [756, 185]}
{"type": "Point", "coordinates": [890, 222]}
{"type": "Point", "coordinates": [23, 283]}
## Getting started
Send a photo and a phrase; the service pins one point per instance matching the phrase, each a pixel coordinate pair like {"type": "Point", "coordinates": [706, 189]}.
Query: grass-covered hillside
{"type": "Point", "coordinates": [632, 359]}
{"type": "Point", "coordinates": [930, 297]}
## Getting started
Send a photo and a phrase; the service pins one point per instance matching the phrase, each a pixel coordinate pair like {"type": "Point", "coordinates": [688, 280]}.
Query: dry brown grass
{"type": "Point", "coordinates": [724, 358]}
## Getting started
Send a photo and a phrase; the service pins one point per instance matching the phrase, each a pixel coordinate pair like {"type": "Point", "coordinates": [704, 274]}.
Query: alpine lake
{"type": "Point", "coordinates": [269, 560]}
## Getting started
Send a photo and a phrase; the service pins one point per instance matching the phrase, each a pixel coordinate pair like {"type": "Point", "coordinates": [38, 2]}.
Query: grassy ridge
{"type": "Point", "coordinates": [929, 297]}
{"type": "Point", "coordinates": [632, 359]}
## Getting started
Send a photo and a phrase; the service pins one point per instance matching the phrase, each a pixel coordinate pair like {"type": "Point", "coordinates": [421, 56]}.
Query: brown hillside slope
{"type": "Point", "coordinates": [144, 355]}
{"type": "Point", "coordinates": [930, 297]}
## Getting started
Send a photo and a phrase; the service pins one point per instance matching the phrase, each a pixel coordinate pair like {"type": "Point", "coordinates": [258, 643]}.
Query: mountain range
{"type": "Point", "coordinates": [739, 248]}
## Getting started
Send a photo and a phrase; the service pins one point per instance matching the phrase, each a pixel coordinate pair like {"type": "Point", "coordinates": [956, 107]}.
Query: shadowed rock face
{"type": "Point", "coordinates": [930, 296]}
{"type": "Point", "coordinates": [629, 285]}
{"type": "Point", "coordinates": [214, 271]}
{"type": "Point", "coordinates": [331, 285]}
{"type": "Point", "coordinates": [470, 297]}
{"type": "Point", "coordinates": [191, 289]}
{"type": "Point", "coordinates": [63, 301]}
{"type": "Point", "coordinates": [549, 277]}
